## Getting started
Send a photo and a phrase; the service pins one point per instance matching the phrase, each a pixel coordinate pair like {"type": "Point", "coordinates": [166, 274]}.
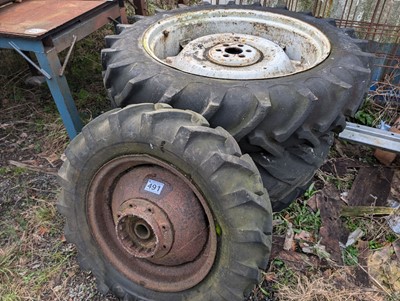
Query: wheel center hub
{"type": "Point", "coordinates": [158, 217]}
{"type": "Point", "coordinates": [143, 229]}
{"type": "Point", "coordinates": [234, 54]}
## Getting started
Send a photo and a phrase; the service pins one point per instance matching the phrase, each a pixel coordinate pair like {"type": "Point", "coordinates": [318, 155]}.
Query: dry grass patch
{"type": "Point", "coordinates": [325, 287]}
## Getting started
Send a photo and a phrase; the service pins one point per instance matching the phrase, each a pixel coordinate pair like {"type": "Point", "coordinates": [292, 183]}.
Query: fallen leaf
{"type": "Point", "coordinates": [52, 158]}
{"type": "Point", "coordinates": [304, 236]}
{"type": "Point", "coordinates": [317, 249]}
{"type": "Point", "coordinates": [43, 230]}
{"type": "Point", "coordinates": [288, 244]}
{"type": "Point", "coordinates": [270, 277]}
{"type": "Point", "coordinates": [394, 219]}
{"type": "Point", "coordinates": [62, 238]}
{"type": "Point", "coordinates": [57, 288]}
{"type": "Point", "coordinates": [63, 157]}
{"type": "Point", "coordinates": [312, 203]}
{"type": "Point", "coordinates": [385, 269]}
{"type": "Point", "coordinates": [396, 247]}
{"type": "Point", "coordinates": [298, 261]}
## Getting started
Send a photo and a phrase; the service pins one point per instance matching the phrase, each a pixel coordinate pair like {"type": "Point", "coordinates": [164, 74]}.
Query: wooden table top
{"type": "Point", "coordinates": [35, 18]}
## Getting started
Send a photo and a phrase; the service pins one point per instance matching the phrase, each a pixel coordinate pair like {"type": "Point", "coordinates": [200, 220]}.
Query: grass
{"type": "Point", "coordinates": [300, 215]}
{"type": "Point", "coordinates": [7, 257]}
{"type": "Point", "coordinates": [350, 256]}
{"type": "Point", "coordinates": [325, 287]}
{"type": "Point", "coordinates": [28, 260]}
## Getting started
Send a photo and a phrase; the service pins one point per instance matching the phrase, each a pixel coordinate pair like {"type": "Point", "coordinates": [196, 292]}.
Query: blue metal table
{"type": "Point", "coordinates": [45, 28]}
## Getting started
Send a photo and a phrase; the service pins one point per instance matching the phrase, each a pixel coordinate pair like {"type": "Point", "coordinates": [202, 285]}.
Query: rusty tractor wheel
{"type": "Point", "coordinates": [279, 82]}
{"type": "Point", "coordinates": [162, 207]}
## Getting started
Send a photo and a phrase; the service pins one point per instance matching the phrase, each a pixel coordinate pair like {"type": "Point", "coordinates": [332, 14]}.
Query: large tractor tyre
{"type": "Point", "coordinates": [278, 81]}
{"type": "Point", "coordinates": [163, 208]}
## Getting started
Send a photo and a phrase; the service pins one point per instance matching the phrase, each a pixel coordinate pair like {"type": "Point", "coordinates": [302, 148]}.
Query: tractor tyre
{"type": "Point", "coordinates": [161, 207]}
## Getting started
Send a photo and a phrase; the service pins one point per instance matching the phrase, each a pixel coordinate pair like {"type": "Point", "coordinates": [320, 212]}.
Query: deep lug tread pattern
{"type": "Point", "coordinates": [114, 69]}
{"type": "Point", "coordinates": [248, 236]}
{"type": "Point", "coordinates": [244, 197]}
{"type": "Point", "coordinates": [302, 162]}
{"type": "Point", "coordinates": [178, 132]}
{"type": "Point", "coordinates": [244, 269]}
{"type": "Point", "coordinates": [259, 138]}
{"type": "Point", "coordinates": [137, 83]}
{"type": "Point", "coordinates": [102, 287]}
{"type": "Point", "coordinates": [111, 40]}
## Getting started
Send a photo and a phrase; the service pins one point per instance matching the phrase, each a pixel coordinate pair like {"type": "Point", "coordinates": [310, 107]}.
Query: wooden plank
{"type": "Point", "coordinates": [371, 187]}
{"type": "Point", "coordinates": [340, 166]}
{"type": "Point", "coordinates": [277, 246]}
{"type": "Point", "coordinates": [361, 274]}
{"type": "Point", "coordinates": [298, 261]}
{"type": "Point", "coordinates": [364, 211]}
{"type": "Point", "coordinates": [331, 227]}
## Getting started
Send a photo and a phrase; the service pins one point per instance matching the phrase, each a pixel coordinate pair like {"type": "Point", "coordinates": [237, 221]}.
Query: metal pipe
{"type": "Point", "coordinates": [74, 37]}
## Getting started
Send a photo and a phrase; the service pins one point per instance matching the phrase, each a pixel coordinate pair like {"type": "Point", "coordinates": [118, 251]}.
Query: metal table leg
{"type": "Point", "coordinates": [48, 60]}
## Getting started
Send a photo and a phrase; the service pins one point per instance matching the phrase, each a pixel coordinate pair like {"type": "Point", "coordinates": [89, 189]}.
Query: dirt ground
{"type": "Point", "coordinates": [37, 263]}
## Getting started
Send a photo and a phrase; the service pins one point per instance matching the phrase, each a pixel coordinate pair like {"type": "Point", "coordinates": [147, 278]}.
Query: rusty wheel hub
{"type": "Point", "coordinates": [151, 223]}
{"type": "Point", "coordinates": [143, 229]}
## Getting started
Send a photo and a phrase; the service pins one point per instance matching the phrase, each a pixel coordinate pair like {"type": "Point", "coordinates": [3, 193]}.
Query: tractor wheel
{"type": "Point", "coordinates": [162, 207]}
{"type": "Point", "coordinates": [278, 81]}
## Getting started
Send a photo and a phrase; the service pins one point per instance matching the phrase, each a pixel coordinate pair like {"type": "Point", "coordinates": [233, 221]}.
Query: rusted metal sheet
{"type": "Point", "coordinates": [33, 18]}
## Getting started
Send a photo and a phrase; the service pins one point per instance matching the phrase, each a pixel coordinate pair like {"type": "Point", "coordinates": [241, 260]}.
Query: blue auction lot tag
{"type": "Point", "coordinates": [154, 186]}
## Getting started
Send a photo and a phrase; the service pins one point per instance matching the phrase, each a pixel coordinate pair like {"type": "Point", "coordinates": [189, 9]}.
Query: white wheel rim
{"type": "Point", "coordinates": [273, 45]}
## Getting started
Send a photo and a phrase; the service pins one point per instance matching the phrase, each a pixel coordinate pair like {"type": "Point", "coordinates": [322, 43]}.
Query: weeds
{"type": "Point", "coordinates": [350, 256]}
{"type": "Point", "coordinates": [310, 191]}
{"type": "Point", "coordinates": [34, 254]}
{"type": "Point", "coordinates": [302, 217]}
{"type": "Point", "coordinates": [364, 118]}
